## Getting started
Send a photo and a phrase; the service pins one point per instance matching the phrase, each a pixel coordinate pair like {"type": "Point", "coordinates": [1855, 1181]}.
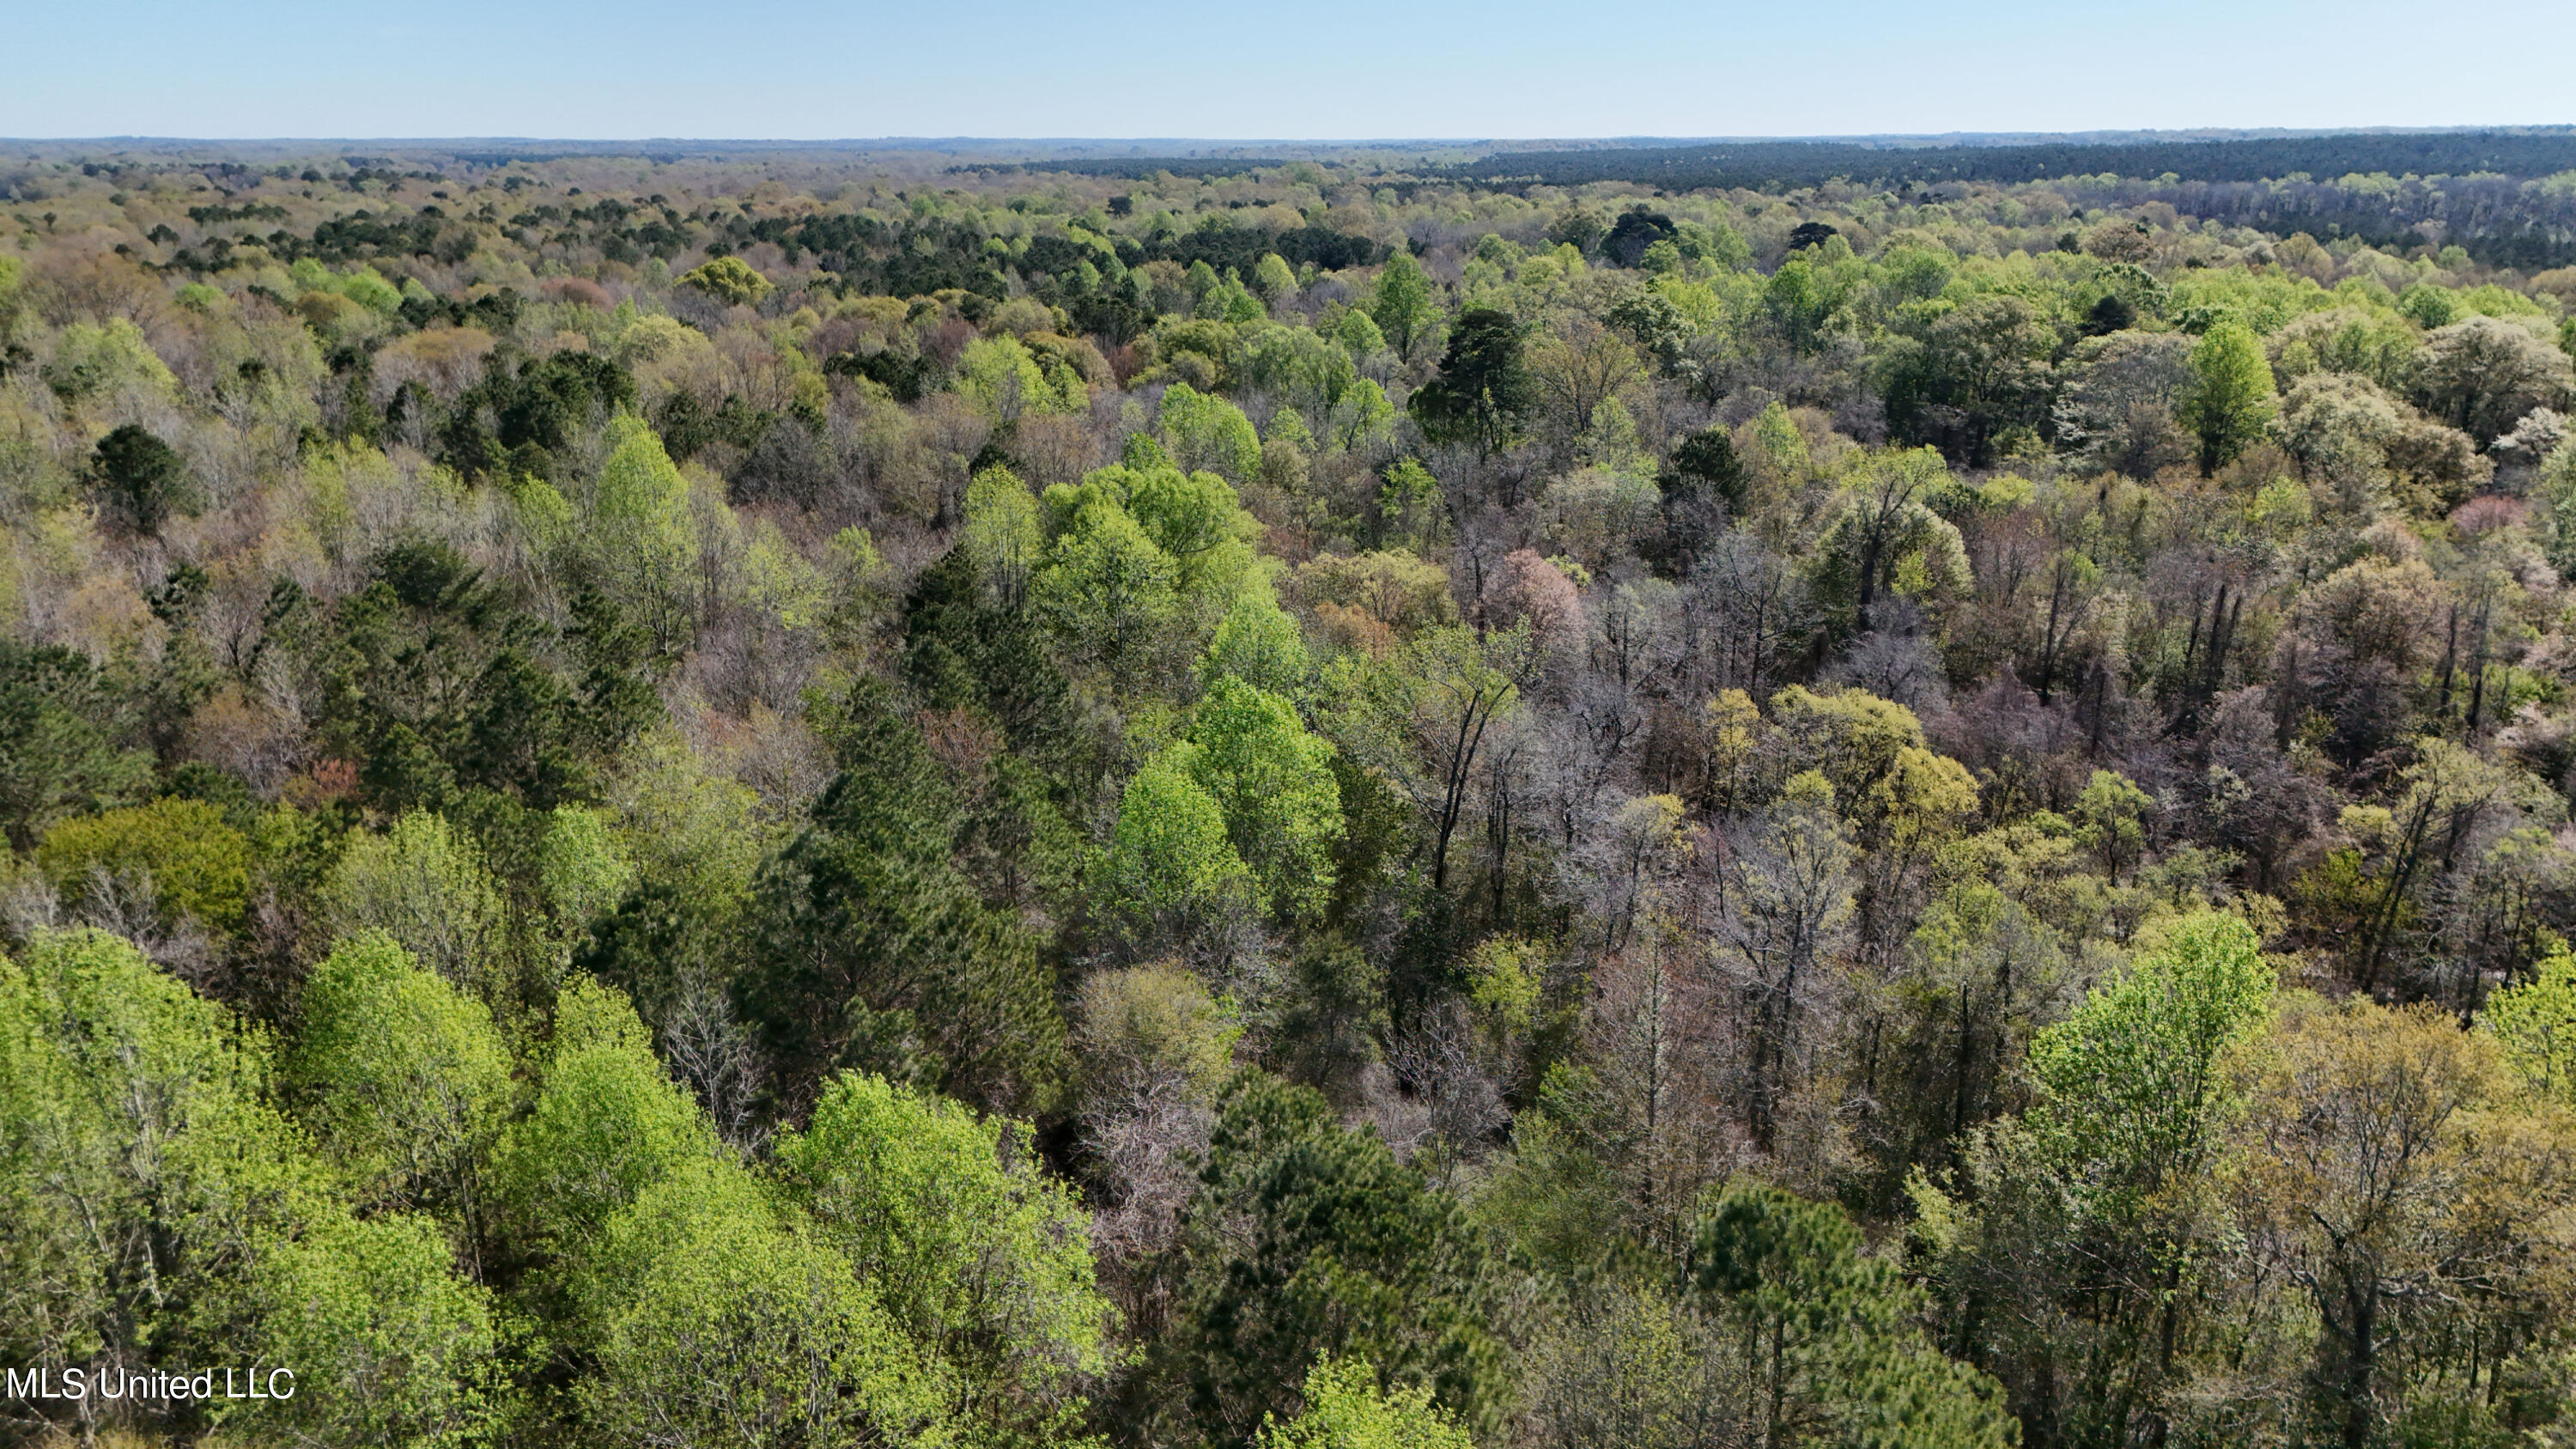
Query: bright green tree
{"type": "Point", "coordinates": [1403, 308]}
{"type": "Point", "coordinates": [157, 1211]}
{"type": "Point", "coordinates": [2230, 399]}
{"type": "Point", "coordinates": [401, 1076]}
{"type": "Point", "coordinates": [640, 529]}
{"type": "Point", "coordinates": [2535, 1023]}
{"type": "Point", "coordinates": [1002, 535]}
{"type": "Point", "coordinates": [729, 280]}
{"type": "Point", "coordinates": [712, 1320]}
{"type": "Point", "coordinates": [388, 1345]}
{"type": "Point", "coordinates": [1170, 856]}
{"type": "Point", "coordinates": [1207, 433]}
{"type": "Point", "coordinates": [1273, 278]}
{"type": "Point", "coordinates": [1109, 591]}
{"type": "Point", "coordinates": [607, 1123]}
{"type": "Point", "coordinates": [198, 865]}
{"type": "Point", "coordinates": [1260, 645]}
{"type": "Point", "coordinates": [1345, 1409]}
{"type": "Point", "coordinates": [980, 1258]}
{"type": "Point", "coordinates": [424, 884]}
{"type": "Point", "coordinates": [1274, 782]}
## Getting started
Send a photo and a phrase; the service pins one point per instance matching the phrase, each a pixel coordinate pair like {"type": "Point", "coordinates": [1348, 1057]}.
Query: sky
{"type": "Point", "coordinates": [1321, 70]}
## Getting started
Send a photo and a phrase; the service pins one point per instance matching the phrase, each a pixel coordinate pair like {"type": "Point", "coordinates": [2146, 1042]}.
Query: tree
{"type": "Point", "coordinates": [388, 1344]}
{"type": "Point", "coordinates": [1273, 278]}
{"type": "Point", "coordinates": [711, 1321]}
{"type": "Point", "coordinates": [1274, 781]}
{"type": "Point", "coordinates": [195, 864]}
{"type": "Point", "coordinates": [1826, 1332]}
{"type": "Point", "coordinates": [2396, 1182]}
{"type": "Point", "coordinates": [142, 480]}
{"type": "Point", "coordinates": [1206, 433]}
{"type": "Point", "coordinates": [642, 535]}
{"type": "Point", "coordinates": [1485, 390]}
{"type": "Point", "coordinates": [2483, 374]}
{"type": "Point", "coordinates": [60, 747]}
{"type": "Point", "coordinates": [157, 1211]}
{"type": "Point", "coordinates": [1402, 307]}
{"type": "Point", "coordinates": [2095, 1216]}
{"type": "Point", "coordinates": [729, 280]}
{"type": "Point", "coordinates": [1886, 539]}
{"type": "Point", "coordinates": [2230, 400]}
{"type": "Point", "coordinates": [2535, 1025]}
{"type": "Point", "coordinates": [1170, 857]}
{"type": "Point", "coordinates": [606, 1124]}
{"type": "Point", "coordinates": [1791, 901]}
{"type": "Point", "coordinates": [1973, 370]}
{"type": "Point", "coordinates": [1108, 590]}
{"type": "Point", "coordinates": [425, 886]}
{"type": "Point", "coordinates": [1260, 645]}
{"type": "Point", "coordinates": [2121, 408]}
{"type": "Point", "coordinates": [1345, 1409]}
{"type": "Point", "coordinates": [401, 1076]}
{"type": "Point", "coordinates": [1432, 707]}
{"type": "Point", "coordinates": [1001, 535]}
{"type": "Point", "coordinates": [977, 1256]}
{"type": "Point", "coordinates": [872, 950]}
{"type": "Point", "coordinates": [1320, 1242]}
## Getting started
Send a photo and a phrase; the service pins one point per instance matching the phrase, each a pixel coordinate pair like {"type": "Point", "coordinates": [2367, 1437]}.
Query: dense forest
{"type": "Point", "coordinates": [803, 799]}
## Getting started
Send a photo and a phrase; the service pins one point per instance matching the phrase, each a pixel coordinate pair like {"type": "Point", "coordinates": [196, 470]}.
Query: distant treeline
{"type": "Point", "coordinates": [1774, 165]}
{"type": "Point", "coordinates": [1138, 167]}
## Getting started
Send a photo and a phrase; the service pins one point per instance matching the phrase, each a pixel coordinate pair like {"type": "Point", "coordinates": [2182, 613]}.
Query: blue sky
{"type": "Point", "coordinates": [1327, 69]}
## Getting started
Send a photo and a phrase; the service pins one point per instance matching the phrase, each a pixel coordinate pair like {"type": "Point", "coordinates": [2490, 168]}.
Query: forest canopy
{"type": "Point", "coordinates": [791, 797]}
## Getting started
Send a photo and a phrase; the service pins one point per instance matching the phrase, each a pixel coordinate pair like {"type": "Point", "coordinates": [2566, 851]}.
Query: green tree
{"type": "Point", "coordinates": [1109, 591]}
{"type": "Point", "coordinates": [641, 532]}
{"type": "Point", "coordinates": [1485, 392]}
{"type": "Point", "coordinates": [2229, 401]}
{"type": "Point", "coordinates": [198, 866]}
{"type": "Point", "coordinates": [142, 480]}
{"type": "Point", "coordinates": [712, 1321]}
{"type": "Point", "coordinates": [729, 280]}
{"type": "Point", "coordinates": [425, 885]}
{"type": "Point", "coordinates": [1206, 433]}
{"type": "Point", "coordinates": [1423, 715]}
{"type": "Point", "coordinates": [401, 1076]}
{"type": "Point", "coordinates": [2096, 1215]}
{"type": "Point", "coordinates": [1002, 534]}
{"type": "Point", "coordinates": [978, 1257]}
{"type": "Point", "coordinates": [387, 1344]}
{"type": "Point", "coordinates": [1345, 1409]}
{"type": "Point", "coordinates": [157, 1211]}
{"type": "Point", "coordinates": [1319, 1242]}
{"type": "Point", "coordinates": [1170, 856]}
{"type": "Point", "coordinates": [1257, 643]}
{"type": "Point", "coordinates": [1966, 373]}
{"type": "Point", "coordinates": [1828, 1332]}
{"type": "Point", "coordinates": [60, 741]}
{"type": "Point", "coordinates": [1274, 782]}
{"type": "Point", "coordinates": [872, 950]}
{"type": "Point", "coordinates": [606, 1124]}
{"type": "Point", "coordinates": [2535, 1024]}
{"type": "Point", "coordinates": [1273, 278]}
{"type": "Point", "coordinates": [1402, 306]}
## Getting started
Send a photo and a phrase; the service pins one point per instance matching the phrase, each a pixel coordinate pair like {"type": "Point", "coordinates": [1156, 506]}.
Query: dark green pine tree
{"type": "Point", "coordinates": [1307, 1240]}
{"type": "Point", "coordinates": [872, 951]}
